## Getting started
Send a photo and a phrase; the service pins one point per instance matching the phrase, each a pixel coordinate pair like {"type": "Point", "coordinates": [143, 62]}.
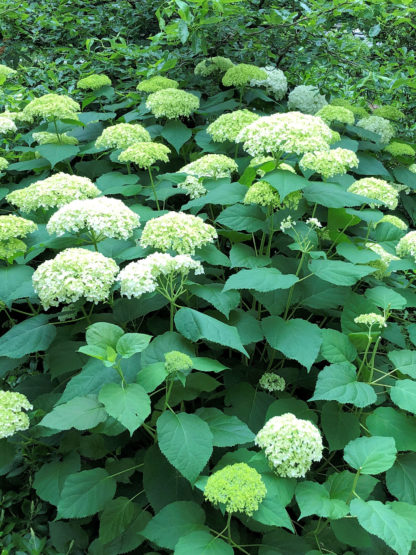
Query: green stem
{"type": "Point", "coordinates": [229, 527]}
{"type": "Point", "coordinates": [86, 315]}
{"type": "Point", "coordinates": [128, 168]}
{"type": "Point", "coordinates": [373, 356]}
{"type": "Point", "coordinates": [365, 355]}
{"type": "Point", "coordinates": [154, 188]}
{"type": "Point", "coordinates": [172, 315]}
{"type": "Point", "coordinates": [119, 371]}
{"type": "Point", "coordinates": [354, 485]}
{"type": "Point", "coordinates": [289, 298]}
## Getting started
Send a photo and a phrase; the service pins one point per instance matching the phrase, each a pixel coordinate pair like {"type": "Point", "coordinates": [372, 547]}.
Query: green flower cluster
{"type": "Point", "coordinates": [371, 319]}
{"type": "Point", "coordinates": [12, 226]}
{"type": "Point", "coordinates": [335, 113]}
{"type": "Point", "coordinates": [263, 194]}
{"type": "Point", "coordinates": [52, 106]}
{"type": "Point", "coordinates": [358, 111]}
{"type": "Point", "coordinates": [378, 125]}
{"type": "Point", "coordinates": [94, 82]}
{"type": "Point", "coordinates": [211, 165]}
{"type": "Point", "coordinates": [383, 263]}
{"type": "Point", "coordinates": [389, 112]}
{"type": "Point", "coordinates": [3, 163]}
{"type": "Point", "coordinates": [329, 162]}
{"type": "Point", "coordinates": [412, 168]}
{"type": "Point", "coordinates": [12, 417]}
{"type": "Point", "coordinates": [272, 382]}
{"type": "Point", "coordinates": [145, 154]}
{"type": "Point", "coordinates": [393, 220]}
{"type": "Point", "coordinates": [11, 248]}
{"type": "Point", "coordinates": [227, 126]}
{"type": "Point", "coordinates": [377, 189]}
{"type": "Point", "coordinates": [5, 72]}
{"type": "Point", "coordinates": [407, 245]}
{"type": "Point", "coordinates": [122, 135]}
{"type": "Point", "coordinates": [306, 99]}
{"type": "Point", "coordinates": [276, 82]}
{"type": "Point", "coordinates": [400, 149]}
{"type": "Point", "coordinates": [175, 361]}
{"type": "Point", "coordinates": [45, 138]}
{"type": "Point", "coordinates": [157, 83]}
{"type": "Point", "coordinates": [172, 103]}
{"type": "Point", "coordinates": [216, 64]}
{"type": "Point", "coordinates": [241, 75]}
{"type": "Point", "coordinates": [7, 125]}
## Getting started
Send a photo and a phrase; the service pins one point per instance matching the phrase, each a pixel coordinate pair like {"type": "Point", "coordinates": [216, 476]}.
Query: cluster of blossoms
{"type": "Point", "coordinates": [237, 486]}
{"type": "Point", "coordinates": [383, 263]}
{"type": "Point", "coordinates": [287, 223]}
{"type": "Point", "coordinates": [371, 319]}
{"type": "Point", "coordinates": [272, 382]}
{"type": "Point", "coordinates": [3, 163]}
{"type": "Point", "coordinates": [53, 192]}
{"type": "Point", "coordinates": [145, 154]}
{"type": "Point", "coordinates": [377, 189]}
{"type": "Point", "coordinates": [172, 103]}
{"type": "Point", "coordinates": [7, 125]}
{"type": "Point", "coordinates": [13, 226]}
{"type": "Point", "coordinates": [11, 248]}
{"type": "Point", "coordinates": [74, 274]}
{"type": "Point", "coordinates": [17, 116]}
{"type": "Point", "coordinates": [12, 417]}
{"type": "Point", "coordinates": [393, 220]}
{"type": "Point", "coordinates": [306, 99]}
{"type": "Point", "coordinates": [241, 75]}
{"type": "Point", "coordinates": [122, 135]}
{"type": "Point", "coordinates": [400, 149]}
{"type": "Point", "coordinates": [46, 138]}
{"type": "Point", "coordinates": [216, 64]}
{"type": "Point", "coordinates": [211, 165]}
{"type": "Point", "coordinates": [193, 186]}
{"type": "Point", "coordinates": [292, 132]}
{"type": "Point", "coordinates": [102, 217]}
{"type": "Point", "coordinates": [227, 126]}
{"type": "Point", "coordinates": [6, 71]}
{"type": "Point", "coordinates": [378, 125]}
{"type": "Point", "coordinates": [358, 111]}
{"type": "Point", "coordinates": [175, 361]}
{"type": "Point", "coordinates": [412, 168]}
{"type": "Point", "coordinates": [314, 222]}
{"type": "Point", "coordinates": [94, 82]}
{"type": "Point", "coordinates": [329, 162]}
{"type": "Point", "coordinates": [389, 112]}
{"type": "Point", "coordinates": [290, 445]}
{"type": "Point", "coordinates": [407, 245]}
{"type": "Point", "coordinates": [264, 194]}
{"type": "Point", "coordinates": [157, 83]}
{"type": "Point", "coordinates": [52, 106]}
{"type": "Point", "coordinates": [335, 113]}
{"type": "Point", "coordinates": [275, 83]}
{"type": "Point", "coordinates": [177, 231]}
{"type": "Point", "coordinates": [145, 275]}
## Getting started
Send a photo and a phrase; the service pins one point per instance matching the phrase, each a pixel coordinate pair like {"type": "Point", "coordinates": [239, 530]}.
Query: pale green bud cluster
{"type": "Point", "coordinates": [3, 163]}
{"type": "Point", "coordinates": [102, 216]}
{"type": "Point", "coordinates": [145, 154]}
{"type": "Point", "coordinates": [53, 192]}
{"type": "Point", "coordinates": [145, 275]}
{"type": "Point", "coordinates": [306, 99]}
{"type": "Point", "coordinates": [52, 106]}
{"type": "Point", "coordinates": [292, 132]}
{"type": "Point", "coordinates": [17, 116]}
{"type": "Point", "coordinates": [216, 64]}
{"type": "Point", "coordinates": [383, 263]}
{"type": "Point", "coordinates": [329, 162]}
{"type": "Point", "coordinates": [12, 226]}
{"type": "Point", "coordinates": [12, 417]}
{"type": "Point", "coordinates": [7, 125]}
{"type": "Point", "coordinates": [94, 82]}
{"type": "Point", "coordinates": [193, 186]}
{"type": "Point", "coordinates": [11, 248]}
{"type": "Point", "coordinates": [389, 112]}
{"type": "Point", "coordinates": [400, 149]}
{"type": "Point", "coordinates": [237, 486]}
{"type": "Point", "coordinates": [241, 75]}
{"type": "Point", "coordinates": [335, 113]}
{"type": "Point", "coordinates": [275, 83]}
{"type": "Point", "coordinates": [412, 168]}
{"type": "Point", "coordinates": [74, 274]}
{"type": "Point", "coordinates": [407, 245]}
{"type": "Point", "coordinates": [264, 194]}
{"type": "Point", "coordinates": [177, 231]}
{"type": "Point", "coordinates": [122, 135]}
{"type": "Point", "coordinates": [227, 126]}
{"type": "Point", "coordinates": [290, 445]}
{"type": "Point", "coordinates": [211, 165]}
{"type": "Point", "coordinates": [358, 111]}
{"type": "Point", "coordinates": [393, 220]}
{"type": "Point", "coordinates": [175, 361]}
{"type": "Point", "coordinates": [157, 83]}
{"type": "Point", "coordinates": [378, 125]}
{"type": "Point", "coordinates": [371, 319]}
{"type": "Point", "coordinates": [6, 71]}
{"type": "Point", "coordinates": [45, 138]}
{"type": "Point", "coordinates": [172, 103]}
{"type": "Point", "coordinates": [272, 382]}
{"type": "Point", "coordinates": [377, 189]}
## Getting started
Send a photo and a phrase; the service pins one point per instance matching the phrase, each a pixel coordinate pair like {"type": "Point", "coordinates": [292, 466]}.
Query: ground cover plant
{"type": "Point", "coordinates": [207, 297]}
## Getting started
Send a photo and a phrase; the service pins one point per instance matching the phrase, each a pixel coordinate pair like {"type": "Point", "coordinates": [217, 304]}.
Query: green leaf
{"type": "Point", "coordinates": [176, 133]}
{"type": "Point", "coordinates": [338, 382]}
{"type": "Point", "coordinates": [50, 478]}
{"type": "Point", "coordinates": [260, 279]}
{"type": "Point", "coordinates": [174, 522]}
{"type": "Point", "coordinates": [287, 336]}
{"type": "Point", "coordinates": [401, 478]}
{"type": "Point", "coordinates": [332, 196]}
{"type": "Point", "coordinates": [240, 217]}
{"type": "Point", "coordinates": [296, 406]}
{"type": "Point", "coordinates": [243, 256]}
{"type": "Point", "coordinates": [151, 376]}
{"type": "Point", "coordinates": [272, 513]}
{"type": "Point", "coordinates": [103, 334]}
{"type": "Point", "coordinates": [336, 347]}
{"type": "Point", "coordinates": [90, 380]}
{"type": "Point", "coordinates": [195, 325]}
{"type": "Point", "coordinates": [338, 272]}
{"type": "Point", "coordinates": [371, 455]}
{"type": "Point", "coordinates": [85, 493]}
{"type": "Point", "coordinates": [220, 191]}
{"type": "Point", "coordinates": [130, 405]}
{"type": "Point", "coordinates": [404, 360]}
{"type": "Point", "coordinates": [355, 254]}
{"type": "Point", "coordinates": [115, 518]}
{"type": "Point", "coordinates": [30, 336]}
{"type": "Point", "coordinates": [405, 176]}
{"type": "Point", "coordinates": [386, 298]}
{"type": "Point", "coordinates": [370, 166]}
{"type": "Point", "coordinates": [403, 394]}
{"type": "Point", "coordinates": [340, 484]}
{"type": "Point", "coordinates": [114, 183]}
{"type": "Point", "coordinates": [338, 426]}
{"type": "Point", "coordinates": [285, 182]}
{"type": "Point", "coordinates": [81, 413]}
{"type": "Point", "coordinates": [56, 153]}
{"type": "Point", "coordinates": [389, 422]}
{"type": "Point", "coordinates": [314, 499]}
{"type": "Point", "coordinates": [226, 430]}
{"type": "Point", "coordinates": [202, 543]}
{"type": "Point", "coordinates": [383, 522]}
{"type": "Point", "coordinates": [132, 343]}
{"type": "Point", "coordinates": [223, 301]}
{"type": "Point", "coordinates": [204, 364]}
{"type": "Point", "coordinates": [186, 441]}
{"type": "Point", "coordinates": [16, 283]}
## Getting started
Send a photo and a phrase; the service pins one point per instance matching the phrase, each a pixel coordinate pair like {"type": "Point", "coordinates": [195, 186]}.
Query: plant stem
{"type": "Point", "coordinates": [154, 188]}
{"type": "Point", "coordinates": [289, 298]}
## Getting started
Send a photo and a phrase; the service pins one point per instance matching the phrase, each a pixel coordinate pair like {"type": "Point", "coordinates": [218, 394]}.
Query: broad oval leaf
{"type": "Point", "coordinates": [371, 455]}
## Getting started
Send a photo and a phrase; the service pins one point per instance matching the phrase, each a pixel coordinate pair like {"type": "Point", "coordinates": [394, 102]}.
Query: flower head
{"type": "Point", "coordinates": [393, 220]}
{"type": "Point", "coordinates": [74, 274]}
{"type": "Point", "coordinates": [3, 163]}
{"type": "Point", "coordinates": [237, 486]}
{"type": "Point", "coordinates": [272, 382]}
{"type": "Point", "coordinates": [216, 64]}
{"type": "Point", "coordinates": [211, 165]}
{"type": "Point", "coordinates": [172, 103]}
{"type": "Point", "coordinates": [177, 231]}
{"type": "Point", "coordinates": [13, 226]}
{"type": "Point", "coordinates": [358, 111]}
{"type": "Point", "coordinates": [314, 222]}
{"type": "Point", "coordinates": [336, 113]}
{"type": "Point", "coordinates": [103, 216]}
{"type": "Point", "coordinates": [122, 135]}
{"type": "Point", "coordinates": [400, 149]}
{"type": "Point", "coordinates": [306, 99]}
{"type": "Point", "coordinates": [52, 106]}
{"type": "Point", "coordinates": [382, 264]}
{"type": "Point", "coordinates": [262, 193]}
{"type": "Point", "coordinates": [45, 138]}
{"type": "Point", "coordinates": [287, 223]}
{"type": "Point", "coordinates": [412, 168]}
{"type": "Point", "coordinates": [371, 319]}
{"type": "Point", "coordinates": [227, 126]}
{"type": "Point", "coordinates": [329, 162]}
{"type": "Point", "coordinates": [7, 125]}
{"type": "Point", "coordinates": [193, 186]}
{"type": "Point", "coordinates": [53, 192]}
{"type": "Point", "coordinates": [157, 83]}
{"type": "Point", "coordinates": [378, 189]}
{"type": "Point", "coordinates": [6, 71]}
{"type": "Point", "coordinates": [378, 125]}
{"type": "Point", "coordinates": [389, 112]}
{"type": "Point", "coordinates": [94, 82]}
{"type": "Point", "coordinates": [12, 417]}
{"type": "Point", "coordinates": [145, 154]}
{"type": "Point", "coordinates": [11, 248]}
{"type": "Point", "coordinates": [290, 445]}
{"type": "Point", "coordinates": [275, 83]}
{"type": "Point", "coordinates": [175, 361]}
{"type": "Point", "coordinates": [17, 116]}
{"type": "Point", "coordinates": [407, 245]}
{"type": "Point", "coordinates": [241, 75]}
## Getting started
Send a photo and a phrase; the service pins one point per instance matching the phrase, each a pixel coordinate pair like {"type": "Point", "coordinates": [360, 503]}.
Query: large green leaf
{"type": "Point", "coordinates": [285, 182]}
{"type": "Point", "coordinates": [186, 441]}
{"type": "Point", "coordinates": [242, 218]}
{"type": "Point", "coordinates": [56, 153]}
{"type": "Point", "coordinates": [336, 347]}
{"type": "Point", "coordinates": [338, 272]}
{"type": "Point", "coordinates": [403, 394]}
{"type": "Point", "coordinates": [81, 413]}
{"type": "Point", "coordinates": [338, 426]}
{"type": "Point", "coordinates": [115, 518]}
{"type": "Point", "coordinates": [401, 478]}
{"type": "Point", "coordinates": [176, 133]}
{"type": "Point", "coordinates": [30, 336]}
{"type": "Point", "coordinates": [332, 195]}
{"type": "Point", "coordinates": [226, 430]}
{"type": "Point", "coordinates": [243, 256]}
{"type": "Point", "coordinates": [132, 343]}
{"type": "Point", "coordinates": [223, 301]}
{"type": "Point", "coordinates": [371, 455]}
{"type": "Point", "coordinates": [201, 542]}
{"type": "Point", "coordinates": [272, 512]}
{"type": "Point", "coordinates": [315, 499]}
{"type": "Point", "coordinates": [260, 279]}
{"type": "Point", "coordinates": [386, 298]}
{"type": "Point", "coordinates": [129, 404]}
{"type": "Point", "coordinates": [405, 361]}
{"type": "Point", "coordinates": [16, 283]}
{"type": "Point", "coordinates": [369, 165]}
{"type": "Point", "coordinates": [389, 422]}
{"type": "Point", "coordinates": [50, 478]}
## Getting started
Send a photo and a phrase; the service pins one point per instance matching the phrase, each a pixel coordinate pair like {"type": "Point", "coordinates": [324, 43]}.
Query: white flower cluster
{"type": "Point", "coordinates": [377, 189]}
{"type": "Point", "coordinates": [262, 193]}
{"type": "Point", "coordinates": [407, 245]}
{"type": "Point", "coordinates": [12, 417]}
{"type": "Point", "coordinates": [7, 125]}
{"type": "Point", "coordinates": [272, 382]}
{"type": "Point", "coordinates": [275, 83]}
{"type": "Point", "coordinates": [172, 103]}
{"type": "Point", "coordinates": [3, 163]}
{"type": "Point", "coordinates": [227, 126]}
{"type": "Point", "coordinates": [412, 168]}
{"type": "Point", "coordinates": [193, 186]}
{"type": "Point", "coordinates": [17, 116]}
{"type": "Point", "coordinates": [144, 276]}
{"type": "Point", "coordinates": [12, 226]}
{"type": "Point", "coordinates": [241, 75]}
{"type": "Point", "coordinates": [157, 83]}
{"type": "Point", "coordinates": [287, 223]}
{"type": "Point", "coordinates": [46, 138]}
{"type": "Point", "coordinates": [290, 445]}
{"type": "Point", "coordinates": [103, 216]}
{"type": "Point", "coordinates": [383, 263]}
{"type": "Point", "coordinates": [52, 106]}
{"type": "Point", "coordinates": [74, 274]}
{"type": "Point", "coordinates": [291, 132]}
{"type": "Point", "coordinates": [314, 222]}
{"type": "Point", "coordinates": [122, 135]}
{"type": "Point", "coordinates": [145, 154]}
{"type": "Point", "coordinates": [378, 125]}
{"type": "Point", "coordinates": [211, 165]}
{"type": "Point", "coordinates": [329, 162]}
{"type": "Point", "coordinates": [371, 319]}
{"type": "Point", "coordinates": [393, 220]}
{"type": "Point", "coordinates": [177, 231]}
{"type": "Point", "coordinates": [306, 99]}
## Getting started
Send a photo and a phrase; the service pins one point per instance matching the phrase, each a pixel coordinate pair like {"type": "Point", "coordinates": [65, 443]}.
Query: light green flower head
{"type": "Point", "coordinates": [52, 106]}
{"type": "Point", "coordinates": [389, 112]}
{"type": "Point", "coordinates": [400, 149]}
{"type": "Point", "coordinates": [3, 163]}
{"type": "Point", "coordinates": [172, 103]}
{"type": "Point", "coordinates": [393, 220]}
{"type": "Point", "coordinates": [378, 125]}
{"type": "Point", "coordinates": [329, 162]}
{"type": "Point", "coordinates": [237, 486]}
{"type": "Point", "coordinates": [122, 135]}
{"type": "Point", "coordinates": [6, 72]}
{"type": "Point", "coordinates": [276, 82]}
{"type": "Point", "coordinates": [211, 165]}
{"type": "Point", "coordinates": [227, 126]}
{"type": "Point", "coordinates": [358, 111]}
{"type": "Point", "coordinates": [377, 189]}
{"type": "Point", "coordinates": [72, 275]}
{"type": "Point", "coordinates": [306, 99]}
{"type": "Point", "coordinates": [412, 168]}
{"type": "Point", "coordinates": [371, 319]}
{"type": "Point", "coordinates": [7, 125]}
{"type": "Point", "coordinates": [216, 64]}
{"type": "Point", "coordinates": [240, 75]}
{"type": "Point", "coordinates": [11, 248]}
{"type": "Point", "coordinates": [407, 245]}
{"type": "Point", "coordinates": [382, 264]}
{"type": "Point", "coordinates": [193, 186]}
{"type": "Point", "coordinates": [94, 82]}
{"type": "Point", "coordinates": [335, 113]}
{"type": "Point", "coordinates": [157, 83]}
{"type": "Point", "coordinates": [12, 417]}
{"type": "Point", "coordinates": [145, 154]}
{"type": "Point", "coordinates": [17, 116]}
{"type": "Point", "coordinates": [12, 226]}
{"type": "Point", "coordinates": [263, 194]}
{"type": "Point", "coordinates": [272, 382]}
{"type": "Point", "coordinates": [175, 361]}
{"type": "Point", "coordinates": [45, 138]}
